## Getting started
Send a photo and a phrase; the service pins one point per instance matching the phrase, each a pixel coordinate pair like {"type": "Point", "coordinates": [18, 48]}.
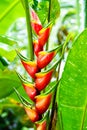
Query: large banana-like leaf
{"type": "Point", "coordinates": [8, 80]}
{"type": "Point", "coordinates": [72, 95]}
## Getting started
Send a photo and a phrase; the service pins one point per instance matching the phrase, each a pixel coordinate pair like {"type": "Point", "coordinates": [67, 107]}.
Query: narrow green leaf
{"type": "Point", "coordinates": [69, 14]}
{"type": "Point", "coordinates": [22, 99]}
{"type": "Point", "coordinates": [7, 40]}
{"type": "Point", "coordinates": [52, 88]}
{"type": "Point", "coordinates": [21, 56]}
{"type": "Point", "coordinates": [23, 80]}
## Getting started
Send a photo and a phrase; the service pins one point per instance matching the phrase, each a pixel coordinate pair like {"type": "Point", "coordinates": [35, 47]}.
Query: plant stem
{"type": "Point", "coordinates": [53, 109]}
{"type": "Point", "coordinates": [48, 20]}
{"type": "Point", "coordinates": [29, 31]}
{"type": "Point", "coordinates": [85, 11]}
{"type": "Point", "coordinates": [78, 13]}
{"type": "Point", "coordinates": [7, 11]}
{"type": "Point", "coordinates": [54, 97]}
{"type": "Point", "coordinates": [54, 102]}
{"type": "Point", "coordinates": [49, 11]}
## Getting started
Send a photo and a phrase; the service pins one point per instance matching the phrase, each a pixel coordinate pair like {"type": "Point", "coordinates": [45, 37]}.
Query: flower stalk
{"type": "Point", "coordinates": [29, 31]}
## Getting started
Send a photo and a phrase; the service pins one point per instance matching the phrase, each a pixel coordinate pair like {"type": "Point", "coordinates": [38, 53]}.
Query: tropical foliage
{"type": "Point", "coordinates": [43, 65]}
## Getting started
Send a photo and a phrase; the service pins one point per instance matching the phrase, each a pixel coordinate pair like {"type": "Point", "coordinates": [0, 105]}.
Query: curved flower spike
{"type": "Point", "coordinates": [32, 114]}
{"type": "Point", "coordinates": [44, 35]}
{"type": "Point", "coordinates": [41, 125]}
{"type": "Point", "coordinates": [37, 47]}
{"type": "Point", "coordinates": [30, 66]}
{"type": "Point", "coordinates": [42, 102]}
{"type": "Point", "coordinates": [43, 79]}
{"type": "Point", "coordinates": [29, 87]}
{"type": "Point", "coordinates": [44, 57]}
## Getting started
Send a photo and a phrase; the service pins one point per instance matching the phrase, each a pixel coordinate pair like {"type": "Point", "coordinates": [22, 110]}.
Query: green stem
{"type": "Point", "coordinates": [54, 102]}
{"type": "Point", "coordinates": [78, 13]}
{"type": "Point", "coordinates": [48, 20]}
{"type": "Point", "coordinates": [29, 31]}
{"type": "Point", "coordinates": [55, 92]}
{"type": "Point", "coordinates": [7, 11]}
{"type": "Point", "coordinates": [49, 11]}
{"type": "Point", "coordinates": [85, 13]}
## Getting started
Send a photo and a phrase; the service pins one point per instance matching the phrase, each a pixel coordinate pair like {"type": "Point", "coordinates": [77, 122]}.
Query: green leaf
{"type": "Point", "coordinates": [55, 9]}
{"type": "Point", "coordinates": [4, 61]}
{"type": "Point", "coordinates": [72, 95]}
{"type": "Point", "coordinates": [9, 12]}
{"type": "Point", "coordinates": [69, 14]}
{"type": "Point", "coordinates": [52, 88]}
{"type": "Point", "coordinates": [8, 80]}
{"type": "Point", "coordinates": [8, 52]}
{"type": "Point", "coordinates": [23, 100]}
{"type": "Point", "coordinates": [7, 40]}
{"type": "Point", "coordinates": [43, 9]}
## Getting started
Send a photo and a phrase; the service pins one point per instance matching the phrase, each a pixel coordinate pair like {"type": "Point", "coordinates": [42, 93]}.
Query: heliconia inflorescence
{"type": "Point", "coordinates": [40, 79]}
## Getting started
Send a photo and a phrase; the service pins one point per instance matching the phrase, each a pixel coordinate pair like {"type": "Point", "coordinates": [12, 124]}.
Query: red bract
{"type": "Point", "coordinates": [35, 21]}
{"type": "Point", "coordinates": [36, 27]}
{"type": "Point", "coordinates": [32, 114]}
{"type": "Point", "coordinates": [41, 126]}
{"type": "Point", "coordinates": [43, 35]}
{"type": "Point", "coordinates": [31, 67]}
{"type": "Point", "coordinates": [30, 90]}
{"type": "Point", "coordinates": [44, 58]}
{"type": "Point", "coordinates": [42, 102]}
{"type": "Point", "coordinates": [37, 47]}
{"type": "Point", "coordinates": [34, 16]}
{"type": "Point", "coordinates": [43, 79]}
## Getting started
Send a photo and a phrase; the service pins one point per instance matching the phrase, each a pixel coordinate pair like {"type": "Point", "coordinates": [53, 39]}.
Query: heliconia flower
{"type": "Point", "coordinates": [29, 87]}
{"type": "Point", "coordinates": [36, 27]}
{"type": "Point", "coordinates": [42, 102]}
{"type": "Point", "coordinates": [43, 79]}
{"type": "Point", "coordinates": [44, 35]}
{"type": "Point", "coordinates": [32, 114]}
{"type": "Point", "coordinates": [37, 47]}
{"type": "Point", "coordinates": [30, 66]}
{"type": "Point", "coordinates": [34, 16]}
{"type": "Point", "coordinates": [41, 125]}
{"type": "Point", "coordinates": [45, 57]}
{"type": "Point", "coordinates": [35, 21]}
{"type": "Point", "coordinates": [30, 90]}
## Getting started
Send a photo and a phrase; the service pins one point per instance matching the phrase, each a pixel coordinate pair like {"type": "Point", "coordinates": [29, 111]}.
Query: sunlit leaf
{"type": "Point", "coordinates": [9, 54]}
{"type": "Point", "coordinates": [7, 40]}
{"type": "Point", "coordinates": [9, 11]}
{"type": "Point", "coordinates": [73, 86]}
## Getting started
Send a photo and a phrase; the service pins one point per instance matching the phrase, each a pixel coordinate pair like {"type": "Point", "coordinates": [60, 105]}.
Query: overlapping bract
{"type": "Point", "coordinates": [41, 79]}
